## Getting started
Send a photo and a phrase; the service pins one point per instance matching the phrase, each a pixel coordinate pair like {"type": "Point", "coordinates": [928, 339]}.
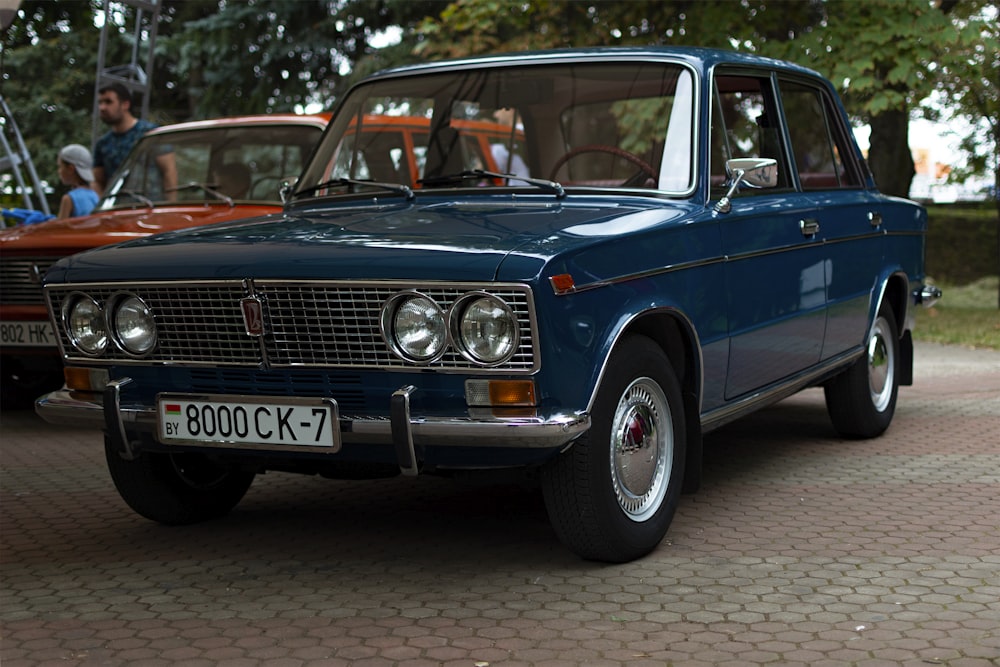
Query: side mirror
{"type": "Point", "coordinates": [752, 172]}
{"type": "Point", "coordinates": [285, 191]}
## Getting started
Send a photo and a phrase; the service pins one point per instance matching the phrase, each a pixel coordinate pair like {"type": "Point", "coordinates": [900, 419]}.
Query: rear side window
{"type": "Point", "coordinates": [818, 147]}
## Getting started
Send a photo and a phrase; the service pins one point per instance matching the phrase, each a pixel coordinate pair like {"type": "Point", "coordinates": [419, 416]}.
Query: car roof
{"type": "Point", "coordinates": [702, 58]}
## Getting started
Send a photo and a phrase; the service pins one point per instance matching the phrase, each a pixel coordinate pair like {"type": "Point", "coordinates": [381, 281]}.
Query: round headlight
{"type": "Point", "coordinates": [134, 328]}
{"type": "Point", "coordinates": [487, 330]}
{"type": "Point", "coordinates": [416, 327]}
{"type": "Point", "coordinates": [84, 321]}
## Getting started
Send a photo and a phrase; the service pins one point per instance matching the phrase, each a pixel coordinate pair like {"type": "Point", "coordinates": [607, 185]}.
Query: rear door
{"type": "Point", "coordinates": [847, 218]}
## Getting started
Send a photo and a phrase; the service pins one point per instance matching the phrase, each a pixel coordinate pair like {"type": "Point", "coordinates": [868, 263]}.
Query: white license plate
{"type": "Point", "coordinates": [37, 333]}
{"type": "Point", "coordinates": [253, 421]}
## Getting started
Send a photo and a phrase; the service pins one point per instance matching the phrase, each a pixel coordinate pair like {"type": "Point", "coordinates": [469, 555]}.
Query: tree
{"type": "Point", "coordinates": [224, 57]}
{"type": "Point", "coordinates": [45, 41]}
{"type": "Point", "coordinates": [969, 86]}
{"type": "Point", "coordinates": [883, 55]}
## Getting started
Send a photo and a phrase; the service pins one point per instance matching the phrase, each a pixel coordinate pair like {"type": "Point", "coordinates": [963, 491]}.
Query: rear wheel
{"type": "Point", "coordinates": [177, 489]}
{"type": "Point", "coordinates": [861, 401]}
{"type": "Point", "coordinates": [612, 495]}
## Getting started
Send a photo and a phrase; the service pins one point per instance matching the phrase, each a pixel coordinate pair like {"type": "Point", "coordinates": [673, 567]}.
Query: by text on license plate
{"type": "Point", "coordinates": [252, 421]}
{"type": "Point", "coordinates": [37, 333]}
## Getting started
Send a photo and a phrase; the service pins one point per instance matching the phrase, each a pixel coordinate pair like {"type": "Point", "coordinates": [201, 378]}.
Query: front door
{"type": "Point", "coordinates": [775, 263]}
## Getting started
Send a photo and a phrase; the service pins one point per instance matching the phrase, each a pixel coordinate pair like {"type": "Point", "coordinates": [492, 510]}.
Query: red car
{"type": "Point", "coordinates": [227, 169]}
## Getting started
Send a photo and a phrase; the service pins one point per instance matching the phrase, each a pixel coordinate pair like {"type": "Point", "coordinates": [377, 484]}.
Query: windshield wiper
{"type": "Point", "coordinates": [207, 189]}
{"type": "Point", "coordinates": [404, 190]}
{"type": "Point", "coordinates": [554, 186]}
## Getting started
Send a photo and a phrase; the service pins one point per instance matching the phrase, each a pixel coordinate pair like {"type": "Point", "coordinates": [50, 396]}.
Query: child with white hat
{"type": "Point", "coordinates": [76, 170]}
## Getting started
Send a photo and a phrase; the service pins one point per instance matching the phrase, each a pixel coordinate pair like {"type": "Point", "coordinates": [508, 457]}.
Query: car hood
{"type": "Point", "coordinates": [488, 240]}
{"type": "Point", "coordinates": [71, 235]}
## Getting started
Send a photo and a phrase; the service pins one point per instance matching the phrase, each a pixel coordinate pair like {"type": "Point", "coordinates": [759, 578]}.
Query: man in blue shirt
{"type": "Point", "coordinates": [114, 104]}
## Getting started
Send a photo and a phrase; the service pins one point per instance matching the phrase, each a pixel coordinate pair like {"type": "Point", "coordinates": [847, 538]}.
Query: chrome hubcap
{"type": "Point", "coordinates": [641, 449]}
{"type": "Point", "coordinates": [881, 366]}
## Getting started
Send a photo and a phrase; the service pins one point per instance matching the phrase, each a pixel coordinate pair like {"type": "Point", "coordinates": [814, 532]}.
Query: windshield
{"type": "Point", "coordinates": [247, 164]}
{"type": "Point", "coordinates": [617, 125]}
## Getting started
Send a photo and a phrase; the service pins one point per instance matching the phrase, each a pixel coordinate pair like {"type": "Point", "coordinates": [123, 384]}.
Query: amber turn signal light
{"type": "Point", "coordinates": [85, 379]}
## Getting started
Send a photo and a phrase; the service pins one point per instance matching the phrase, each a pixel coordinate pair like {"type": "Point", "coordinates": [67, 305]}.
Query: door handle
{"type": "Point", "coordinates": [875, 219]}
{"type": "Point", "coordinates": [809, 227]}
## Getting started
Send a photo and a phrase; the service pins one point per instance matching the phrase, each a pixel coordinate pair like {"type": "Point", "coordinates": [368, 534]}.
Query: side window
{"type": "Point", "coordinates": [744, 124]}
{"type": "Point", "coordinates": [817, 148]}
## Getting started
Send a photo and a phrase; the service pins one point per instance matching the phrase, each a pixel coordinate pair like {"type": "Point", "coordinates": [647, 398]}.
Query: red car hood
{"type": "Point", "coordinates": [71, 235]}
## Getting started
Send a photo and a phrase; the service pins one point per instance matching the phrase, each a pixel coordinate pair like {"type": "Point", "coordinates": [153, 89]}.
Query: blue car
{"type": "Point", "coordinates": [664, 240]}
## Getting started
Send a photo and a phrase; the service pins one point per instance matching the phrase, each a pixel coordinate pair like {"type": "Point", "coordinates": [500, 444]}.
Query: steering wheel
{"type": "Point", "coordinates": [601, 148]}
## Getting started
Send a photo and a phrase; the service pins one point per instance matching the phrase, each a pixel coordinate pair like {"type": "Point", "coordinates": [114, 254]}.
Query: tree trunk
{"type": "Point", "coordinates": [889, 153]}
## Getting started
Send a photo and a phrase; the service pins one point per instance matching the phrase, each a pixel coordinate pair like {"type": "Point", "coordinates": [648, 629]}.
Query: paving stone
{"type": "Point", "coordinates": [800, 549]}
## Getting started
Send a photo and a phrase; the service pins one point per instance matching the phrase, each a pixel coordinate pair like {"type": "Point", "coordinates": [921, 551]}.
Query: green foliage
{"type": "Point", "coordinates": [222, 57]}
{"type": "Point", "coordinates": [969, 86]}
{"type": "Point", "coordinates": [967, 315]}
{"type": "Point", "coordinates": [885, 56]}
{"type": "Point", "coordinates": [640, 122]}
{"type": "Point", "coordinates": [962, 243]}
{"type": "Point", "coordinates": [57, 113]}
{"type": "Point", "coordinates": [880, 53]}
{"type": "Point", "coordinates": [245, 59]}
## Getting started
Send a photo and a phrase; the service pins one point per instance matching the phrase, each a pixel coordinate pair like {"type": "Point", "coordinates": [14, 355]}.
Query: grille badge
{"type": "Point", "coordinates": [253, 315]}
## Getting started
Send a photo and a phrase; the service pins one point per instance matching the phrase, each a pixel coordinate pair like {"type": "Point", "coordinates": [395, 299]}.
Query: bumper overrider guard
{"type": "Point", "coordinates": [401, 429]}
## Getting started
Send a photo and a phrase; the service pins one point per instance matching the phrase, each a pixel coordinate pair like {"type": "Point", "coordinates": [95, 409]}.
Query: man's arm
{"type": "Point", "coordinates": [100, 181]}
{"type": "Point", "coordinates": [168, 169]}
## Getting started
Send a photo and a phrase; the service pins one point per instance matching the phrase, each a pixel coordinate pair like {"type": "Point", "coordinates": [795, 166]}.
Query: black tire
{"type": "Point", "coordinates": [861, 401]}
{"type": "Point", "coordinates": [612, 495]}
{"type": "Point", "coordinates": [176, 489]}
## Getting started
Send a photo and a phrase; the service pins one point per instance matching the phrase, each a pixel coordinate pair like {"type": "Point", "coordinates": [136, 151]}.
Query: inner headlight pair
{"type": "Point", "coordinates": [125, 319]}
{"type": "Point", "coordinates": [481, 327]}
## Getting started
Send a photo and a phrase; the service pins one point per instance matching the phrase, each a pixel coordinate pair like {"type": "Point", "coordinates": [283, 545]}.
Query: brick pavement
{"type": "Point", "coordinates": [800, 549]}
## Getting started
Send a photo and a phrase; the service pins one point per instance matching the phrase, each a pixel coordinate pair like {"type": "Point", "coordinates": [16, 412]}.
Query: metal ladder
{"type": "Point", "coordinates": [17, 156]}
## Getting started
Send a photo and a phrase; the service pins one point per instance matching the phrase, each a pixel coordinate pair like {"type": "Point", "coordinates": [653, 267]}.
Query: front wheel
{"type": "Point", "coordinates": [176, 489]}
{"type": "Point", "coordinates": [612, 495]}
{"type": "Point", "coordinates": [861, 401]}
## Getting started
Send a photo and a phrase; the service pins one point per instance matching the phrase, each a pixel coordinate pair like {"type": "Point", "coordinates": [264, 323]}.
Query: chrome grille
{"type": "Point", "coordinates": [320, 324]}
{"type": "Point", "coordinates": [20, 279]}
{"type": "Point", "coordinates": [345, 386]}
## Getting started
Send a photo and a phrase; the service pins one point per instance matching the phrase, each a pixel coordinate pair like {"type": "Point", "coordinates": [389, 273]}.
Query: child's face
{"type": "Point", "coordinates": [67, 173]}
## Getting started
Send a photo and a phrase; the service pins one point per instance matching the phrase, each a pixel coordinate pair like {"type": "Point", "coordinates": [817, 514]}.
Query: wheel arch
{"type": "Point", "coordinates": [894, 293]}
{"type": "Point", "coordinates": [673, 333]}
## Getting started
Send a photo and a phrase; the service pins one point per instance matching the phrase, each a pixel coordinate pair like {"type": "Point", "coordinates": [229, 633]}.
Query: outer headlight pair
{"type": "Point", "coordinates": [481, 327]}
{"type": "Point", "coordinates": [126, 320]}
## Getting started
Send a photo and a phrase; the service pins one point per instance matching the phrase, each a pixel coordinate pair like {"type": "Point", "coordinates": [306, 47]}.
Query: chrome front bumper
{"type": "Point", "coordinates": [400, 428]}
